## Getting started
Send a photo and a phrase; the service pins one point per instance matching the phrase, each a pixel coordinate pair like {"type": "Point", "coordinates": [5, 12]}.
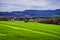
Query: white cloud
{"type": "Point", "coordinates": [29, 4]}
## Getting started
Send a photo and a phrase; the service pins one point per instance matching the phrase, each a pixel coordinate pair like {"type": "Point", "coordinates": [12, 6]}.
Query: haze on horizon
{"type": "Point", "coordinates": [20, 5]}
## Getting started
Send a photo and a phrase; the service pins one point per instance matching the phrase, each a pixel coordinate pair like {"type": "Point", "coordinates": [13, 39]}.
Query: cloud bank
{"type": "Point", "coordinates": [20, 5]}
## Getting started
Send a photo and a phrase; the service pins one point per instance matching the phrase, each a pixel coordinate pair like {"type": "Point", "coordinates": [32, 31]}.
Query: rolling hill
{"type": "Point", "coordinates": [28, 31]}
{"type": "Point", "coordinates": [32, 13]}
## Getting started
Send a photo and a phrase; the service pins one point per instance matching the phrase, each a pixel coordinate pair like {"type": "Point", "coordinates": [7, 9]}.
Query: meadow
{"type": "Point", "coordinates": [20, 30]}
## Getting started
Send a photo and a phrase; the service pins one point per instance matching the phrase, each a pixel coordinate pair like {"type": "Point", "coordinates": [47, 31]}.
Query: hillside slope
{"type": "Point", "coordinates": [28, 31]}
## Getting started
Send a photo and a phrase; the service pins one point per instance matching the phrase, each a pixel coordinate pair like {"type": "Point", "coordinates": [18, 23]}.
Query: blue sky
{"type": "Point", "coordinates": [20, 5]}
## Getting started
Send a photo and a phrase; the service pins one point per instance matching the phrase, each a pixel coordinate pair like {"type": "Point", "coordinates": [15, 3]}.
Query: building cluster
{"type": "Point", "coordinates": [51, 20]}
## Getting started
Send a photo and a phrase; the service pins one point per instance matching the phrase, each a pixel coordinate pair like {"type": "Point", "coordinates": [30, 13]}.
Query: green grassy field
{"type": "Point", "coordinates": [28, 31]}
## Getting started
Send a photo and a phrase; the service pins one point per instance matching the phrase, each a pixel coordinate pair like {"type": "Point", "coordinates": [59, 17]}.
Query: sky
{"type": "Point", "coordinates": [21, 5]}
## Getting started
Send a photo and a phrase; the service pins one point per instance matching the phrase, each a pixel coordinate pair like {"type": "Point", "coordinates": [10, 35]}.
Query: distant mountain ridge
{"type": "Point", "coordinates": [32, 13]}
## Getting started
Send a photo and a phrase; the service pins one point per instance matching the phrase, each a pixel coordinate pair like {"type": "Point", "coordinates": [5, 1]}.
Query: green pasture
{"type": "Point", "coordinates": [20, 30]}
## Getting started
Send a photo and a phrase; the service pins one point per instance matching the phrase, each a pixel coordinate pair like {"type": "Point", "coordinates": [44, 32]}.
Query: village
{"type": "Point", "coordinates": [49, 20]}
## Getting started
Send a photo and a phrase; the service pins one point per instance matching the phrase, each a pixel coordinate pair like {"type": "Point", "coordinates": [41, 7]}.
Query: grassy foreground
{"type": "Point", "coordinates": [28, 31]}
